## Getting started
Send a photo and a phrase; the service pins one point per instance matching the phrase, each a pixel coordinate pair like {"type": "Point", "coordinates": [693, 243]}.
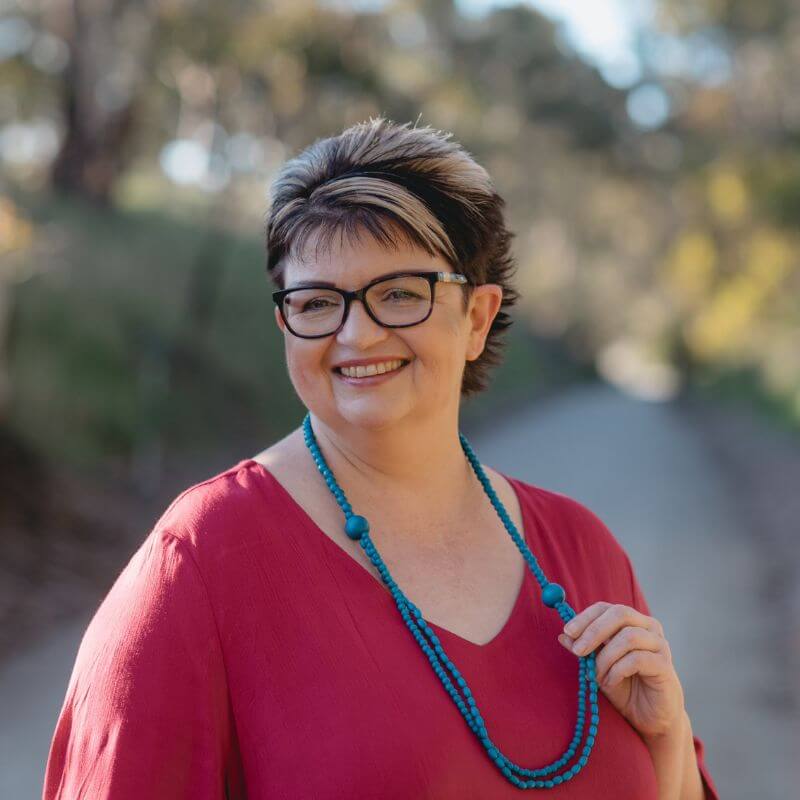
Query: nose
{"type": "Point", "coordinates": [359, 329]}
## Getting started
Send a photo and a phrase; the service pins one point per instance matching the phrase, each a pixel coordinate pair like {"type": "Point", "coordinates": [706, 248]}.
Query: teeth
{"type": "Point", "coordinates": [371, 369]}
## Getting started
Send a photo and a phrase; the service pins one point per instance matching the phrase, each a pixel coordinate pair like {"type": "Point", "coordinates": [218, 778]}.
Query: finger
{"type": "Point", "coordinates": [638, 662]}
{"type": "Point", "coordinates": [608, 624]}
{"type": "Point", "coordinates": [627, 640]}
{"type": "Point", "coordinates": [575, 627]}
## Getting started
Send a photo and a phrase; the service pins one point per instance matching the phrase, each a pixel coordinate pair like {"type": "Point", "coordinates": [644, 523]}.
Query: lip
{"type": "Point", "coordinates": [364, 362]}
{"type": "Point", "coordinates": [370, 380]}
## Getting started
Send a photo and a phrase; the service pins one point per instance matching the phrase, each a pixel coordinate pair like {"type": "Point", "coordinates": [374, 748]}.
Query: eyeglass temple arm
{"type": "Point", "coordinates": [451, 277]}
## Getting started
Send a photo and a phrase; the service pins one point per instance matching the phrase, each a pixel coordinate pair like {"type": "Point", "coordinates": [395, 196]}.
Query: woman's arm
{"type": "Point", "coordinates": [676, 766]}
{"type": "Point", "coordinates": [146, 714]}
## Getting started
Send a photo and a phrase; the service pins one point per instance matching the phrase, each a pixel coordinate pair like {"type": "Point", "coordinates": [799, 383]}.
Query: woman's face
{"type": "Point", "coordinates": [436, 349]}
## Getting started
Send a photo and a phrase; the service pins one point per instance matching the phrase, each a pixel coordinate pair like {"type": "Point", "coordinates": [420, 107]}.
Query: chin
{"type": "Point", "coordinates": [370, 415]}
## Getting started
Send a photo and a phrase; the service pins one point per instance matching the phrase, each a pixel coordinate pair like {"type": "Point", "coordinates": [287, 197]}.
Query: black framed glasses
{"type": "Point", "coordinates": [399, 300]}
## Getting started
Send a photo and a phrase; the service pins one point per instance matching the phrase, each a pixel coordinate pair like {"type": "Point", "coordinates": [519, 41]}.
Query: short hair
{"type": "Point", "coordinates": [382, 178]}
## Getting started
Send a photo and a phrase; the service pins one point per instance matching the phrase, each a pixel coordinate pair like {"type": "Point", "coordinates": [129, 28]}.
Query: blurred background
{"type": "Point", "coordinates": [649, 156]}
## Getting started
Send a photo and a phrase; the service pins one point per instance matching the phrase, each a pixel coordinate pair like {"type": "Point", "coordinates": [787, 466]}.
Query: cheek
{"type": "Point", "coordinates": [306, 364]}
{"type": "Point", "coordinates": [441, 348]}
{"type": "Point", "coordinates": [453, 335]}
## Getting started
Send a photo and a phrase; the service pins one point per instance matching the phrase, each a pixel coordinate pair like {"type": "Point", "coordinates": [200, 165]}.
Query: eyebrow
{"type": "Point", "coordinates": [305, 284]}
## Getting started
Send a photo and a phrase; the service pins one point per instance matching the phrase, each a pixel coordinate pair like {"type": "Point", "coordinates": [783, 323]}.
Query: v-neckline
{"type": "Point", "coordinates": [361, 569]}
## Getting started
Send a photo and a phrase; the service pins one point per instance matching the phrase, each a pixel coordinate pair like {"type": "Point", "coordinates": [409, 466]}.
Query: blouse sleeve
{"type": "Point", "coordinates": [146, 711]}
{"type": "Point", "coordinates": [640, 604]}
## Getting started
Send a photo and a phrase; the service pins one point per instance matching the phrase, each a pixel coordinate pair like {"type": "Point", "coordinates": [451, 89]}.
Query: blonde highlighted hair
{"type": "Point", "coordinates": [384, 178]}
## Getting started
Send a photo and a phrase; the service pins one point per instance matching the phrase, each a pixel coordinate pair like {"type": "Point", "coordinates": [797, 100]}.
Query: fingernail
{"type": "Point", "coordinates": [570, 628]}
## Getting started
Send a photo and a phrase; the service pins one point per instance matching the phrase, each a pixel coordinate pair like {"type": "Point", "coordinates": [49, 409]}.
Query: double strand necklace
{"type": "Point", "coordinates": [553, 596]}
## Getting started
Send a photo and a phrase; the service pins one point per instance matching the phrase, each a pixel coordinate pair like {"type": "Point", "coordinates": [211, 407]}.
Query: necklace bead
{"type": "Point", "coordinates": [356, 526]}
{"type": "Point", "coordinates": [553, 596]}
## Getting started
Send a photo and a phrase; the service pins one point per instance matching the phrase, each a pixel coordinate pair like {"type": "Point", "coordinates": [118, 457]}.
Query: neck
{"type": "Point", "coordinates": [423, 471]}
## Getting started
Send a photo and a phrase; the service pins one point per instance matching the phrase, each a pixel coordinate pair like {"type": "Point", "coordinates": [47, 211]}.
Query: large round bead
{"type": "Point", "coordinates": [356, 526]}
{"type": "Point", "coordinates": [553, 594]}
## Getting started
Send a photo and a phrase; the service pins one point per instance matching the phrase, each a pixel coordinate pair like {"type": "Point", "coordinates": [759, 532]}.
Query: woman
{"type": "Point", "coordinates": [257, 644]}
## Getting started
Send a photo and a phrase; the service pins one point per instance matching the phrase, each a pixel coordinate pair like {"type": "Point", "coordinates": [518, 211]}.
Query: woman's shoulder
{"type": "Point", "coordinates": [575, 531]}
{"type": "Point", "coordinates": [598, 562]}
{"type": "Point", "coordinates": [218, 505]}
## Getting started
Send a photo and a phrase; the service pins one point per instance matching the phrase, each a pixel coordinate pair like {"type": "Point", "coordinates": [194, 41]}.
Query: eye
{"type": "Point", "coordinates": [316, 304]}
{"type": "Point", "coordinates": [400, 294]}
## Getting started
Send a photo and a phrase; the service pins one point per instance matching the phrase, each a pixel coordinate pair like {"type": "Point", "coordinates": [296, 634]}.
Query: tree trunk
{"type": "Point", "coordinates": [110, 44]}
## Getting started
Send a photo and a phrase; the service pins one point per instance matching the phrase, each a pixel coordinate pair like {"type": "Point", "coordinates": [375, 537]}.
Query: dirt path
{"type": "Point", "coordinates": [666, 493]}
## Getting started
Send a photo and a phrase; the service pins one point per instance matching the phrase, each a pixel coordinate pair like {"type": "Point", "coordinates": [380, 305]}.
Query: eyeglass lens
{"type": "Point", "coordinates": [394, 301]}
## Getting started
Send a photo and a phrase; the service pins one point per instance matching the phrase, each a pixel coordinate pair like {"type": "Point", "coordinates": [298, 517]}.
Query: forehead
{"type": "Point", "coordinates": [350, 261]}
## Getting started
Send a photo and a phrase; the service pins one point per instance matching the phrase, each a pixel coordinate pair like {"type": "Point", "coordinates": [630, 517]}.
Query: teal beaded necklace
{"type": "Point", "coordinates": [553, 596]}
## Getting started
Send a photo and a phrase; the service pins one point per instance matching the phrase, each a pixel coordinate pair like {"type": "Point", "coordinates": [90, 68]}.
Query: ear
{"type": "Point", "coordinates": [484, 305]}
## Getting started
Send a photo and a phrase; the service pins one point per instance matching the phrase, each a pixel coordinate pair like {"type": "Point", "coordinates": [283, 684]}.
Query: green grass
{"type": "Point", "coordinates": [107, 348]}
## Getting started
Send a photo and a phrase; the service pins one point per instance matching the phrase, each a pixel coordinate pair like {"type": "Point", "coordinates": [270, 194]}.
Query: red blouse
{"type": "Point", "coordinates": [242, 653]}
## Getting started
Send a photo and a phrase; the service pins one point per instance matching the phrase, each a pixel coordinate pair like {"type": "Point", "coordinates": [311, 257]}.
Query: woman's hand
{"type": "Point", "coordinates": [633, 665]}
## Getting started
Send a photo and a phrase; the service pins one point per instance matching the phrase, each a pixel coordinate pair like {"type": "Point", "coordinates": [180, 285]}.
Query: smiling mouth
{"type": "Point", "coordinates": [338, 371]}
